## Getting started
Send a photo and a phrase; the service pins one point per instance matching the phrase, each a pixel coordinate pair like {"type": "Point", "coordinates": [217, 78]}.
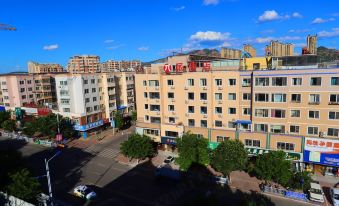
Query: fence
{"type": "Point", "coordinates": [283, 192]}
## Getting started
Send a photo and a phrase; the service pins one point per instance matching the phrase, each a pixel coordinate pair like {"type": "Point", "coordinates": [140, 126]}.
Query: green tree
{"type": "Point", "coordinates": [23, 185]}
{"type": "Point", "coordinates": [30, 128]}
{"type": "Point", "coordinates": [137, 147]}
{"type": "Point", "coordinates": [230, 155]}
{"type": "Point", "coordinates": [48, 126]}
{"type": "Point", "coordinates": [9, 125]}
{"type": "Point", "coordinates": [134, 116]}
{"type": "Point", "coordinates": [67, 128]}
{"type": "Point", "coordinates": [118, 119]}
{"type": "Point", "coordinates": [273, 166]}
{"type": "Point", "coordinates": [301, 180]}
{"type": "Point", "coordinates": [4, 115]}
{"type": "Point", "coordinates": [192, 149]}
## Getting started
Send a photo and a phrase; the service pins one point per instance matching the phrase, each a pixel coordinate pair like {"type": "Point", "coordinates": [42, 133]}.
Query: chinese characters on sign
{"type": "Point", "coordinates": [322, 151]}
{"type": "Point", "coordinates": [192, 67]}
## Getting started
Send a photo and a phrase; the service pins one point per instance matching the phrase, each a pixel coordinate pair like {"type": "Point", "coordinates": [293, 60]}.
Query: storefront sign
{"type": "Point", "coordinates": [322, 151]}
{"type": "Point", "coordinates": [168, 140]}
{"type": "Point", "coordinates": [167, 68]}
{"type": "Point", "coordinates": [206, 67]}
{"type": "Point", "coordinates": [192, 66]}
{"type": "Point", "coordinates": [179, 68]}
{"type": "Point", "coordinates": [89, 126]}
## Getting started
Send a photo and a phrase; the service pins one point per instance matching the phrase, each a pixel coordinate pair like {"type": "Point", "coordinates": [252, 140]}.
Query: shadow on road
{"type": "Point", "coordinates": [327, 193]}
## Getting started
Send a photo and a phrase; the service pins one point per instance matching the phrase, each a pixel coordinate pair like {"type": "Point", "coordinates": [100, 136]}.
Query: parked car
{"type": "Point", "coordinates": [335, 196]}
{"type": "Point", "coordinates": [316, 193]}
{"type": "Point", "coordinates": [84, 192]}
{"type": "Point", "coordinates": [169, 160]}
{"type": "Point", "coordinates": [220, 180]}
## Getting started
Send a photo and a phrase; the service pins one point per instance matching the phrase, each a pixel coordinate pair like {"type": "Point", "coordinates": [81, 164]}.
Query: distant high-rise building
{"type": "Point", "coordinates": [230, 53]}
{"type": "Point", "coordinates": [277, 49]}
{"type": "Point", "coordinates": [312, 44]}
{"type": "Point", "coordinates": [84, 64]}
{"type": "Point", "coordinates": [112, 65]}
{"type": "Point", "coordinates": [251, 50]}
{"type": "Point", "coordinates": [37, 68]}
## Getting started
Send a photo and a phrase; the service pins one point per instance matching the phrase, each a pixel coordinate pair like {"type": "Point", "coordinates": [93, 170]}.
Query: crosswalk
{"type": "Point", "coordinates": [106, 153]}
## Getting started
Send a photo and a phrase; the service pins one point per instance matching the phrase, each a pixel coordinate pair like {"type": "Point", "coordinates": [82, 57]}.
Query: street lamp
{"type": "Point", "coordinates": [47, 173]}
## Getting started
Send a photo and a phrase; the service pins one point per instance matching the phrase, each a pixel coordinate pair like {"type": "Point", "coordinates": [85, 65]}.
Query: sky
{"type": "Point", "coordinates": [51, 31]}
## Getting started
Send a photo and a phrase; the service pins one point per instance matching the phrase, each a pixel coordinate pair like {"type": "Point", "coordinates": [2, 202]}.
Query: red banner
{"type": "Point", "coordinates": [167, 68]}
{"type": "Point", "coordinates": [206, 66]}
{"type": "Point", "coordinates": [179, 67]}
{"type": "Point", "coordinates": [192, 67]}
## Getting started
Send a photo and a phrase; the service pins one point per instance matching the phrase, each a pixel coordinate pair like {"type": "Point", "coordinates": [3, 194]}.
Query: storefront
{"type": "Point", "coordinates": [85, 129]}
{"type": "Point", "coordinates": [322, 156]}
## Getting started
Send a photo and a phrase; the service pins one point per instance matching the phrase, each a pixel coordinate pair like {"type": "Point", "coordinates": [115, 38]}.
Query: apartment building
{"type": "Point", "coordinates": [107, 91]}
{"type": "Point", "coordinates": [312, 44]}
{"type": "Point", "coordinates": [126, 92]}
{"type": "Point", "coordinates": [250, 49]}
{"type": "Point", "coordinates": [265, 109]}
{"type": "Point", "coordinates": [278, 49]}
{"type": "Point", "coordinates": [34, 68]}
{"type": "Point", "coordinates": [230, 53]}
{"type": "Point", "coordinates": [84, 64]}
{"type": "Point", "coordinates": [45, 91]}
{"type": "Point", "coordinates": [114, 66]}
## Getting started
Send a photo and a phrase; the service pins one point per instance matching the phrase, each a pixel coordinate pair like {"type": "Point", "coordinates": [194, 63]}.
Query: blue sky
{"type": "Point", "coordinates": [54, 30]}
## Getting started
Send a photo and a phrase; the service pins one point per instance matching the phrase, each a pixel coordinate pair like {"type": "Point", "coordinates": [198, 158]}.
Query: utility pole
{"type": "Point", "coordinates": [58, 123]}
{"type": "Point", "coordinates": [48, 174]}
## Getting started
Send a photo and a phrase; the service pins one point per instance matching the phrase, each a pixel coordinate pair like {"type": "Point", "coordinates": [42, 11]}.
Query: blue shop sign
{"type": "Point", "coordinates": [168, 140]}
{"type": "Point", "coordinates": [89, 126]}
{"type": "Point", "coordinates": [322, 158]}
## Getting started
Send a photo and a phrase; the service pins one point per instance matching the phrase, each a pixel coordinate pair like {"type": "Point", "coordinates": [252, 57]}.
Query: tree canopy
{"type": "Point", "coordinates": [134, 116]}
{"type": "Point", "coordinates": [4, 115]}
{"type": "Point", "coordinates": [137, 147]}
{"type": "Point", "coordinates": [9, 125]}
{"type": "Point", "coordinates": [192, 149]}
{"type": "Point", "coordinates": [118, 119]}
{"type": "Point", "coordinates": [10, 161]}
{"type": "Point", "coordinates": [230, 155]}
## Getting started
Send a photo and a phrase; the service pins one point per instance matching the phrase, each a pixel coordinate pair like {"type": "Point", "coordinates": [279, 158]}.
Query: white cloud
{"type": "Point", "coordinates": [115, 47]}
{"type": "Point", "coordinates": [321, 20]}
{"type": "Point", "coordinates": [327, 34]}
{"type": "Point", "coordinates": [262, 40]}
{"type": "Point", "coordinates": [51, 47]}
{"type": "Point", "coordinates": [297, 15]}
{"type": "Point", "coordinates": [335, 14]}
{"type": "Point", "coordinates": [179, 8]}
{"type": "Point", "coordinates": [299, 30]}
{"type": "Point", "coordinates": [269, 15]}
{"type": "Point", "coordinates": [211, 2]}
{"type": "Point", "coordinates": [210, 36]}
{"type": "Point", "coordinates": [108, 41]}
{"type": "Point", "coordinates": [143, 48]}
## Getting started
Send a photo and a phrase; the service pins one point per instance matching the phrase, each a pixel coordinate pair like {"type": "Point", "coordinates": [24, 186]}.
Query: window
{"type": "Point", "coordinates": [203, 82]}
{"type": "Point", "coordinates": [333, 115]}
{"type": "Point", "coordinates": [145, 94]}
{"type": "Point", "coordinates": [191, 122]}
{"type": "Point", "coordinates": [203, 96]}
{"type": "Point", "coordinates": [3, 83]}
{"type": "Point", "coordinates": [203, 123]}
{"type": "Point", "coordinates": [146, 117]}
{"type": "Point", "coordinates": [335, 81]}
{"type": "Point", "coordinates": [171, 134]}
{"type": "Point", "coordinates": [232, 110]}
{"type": "Point", "coordinates": [246, 96]}
{"type": "Point", "coordinates": [218, 82]}
{"type": "Point", "coordinates": [190, 109]}
{"type": "Point", "coordinates": [23, 97]}
{"type": "Point", "coordinates": [277, 129]}
{"type": "Point", "coordinates": [261, 97]}
{"type": "Point", "coordinates": [190, 82]}
{"type": "Point", "coordinates": [246, 111]}
{"type": "Point", "coordinates": [112, 80]}
{"type": "Point", "coordinates": [94, 99]}
{"type": "Point", "coordinates": [295, 113]}
{"type": "Point", "coordinates": [312, 130]}
{"type": "Point", "coordinates": [278, 97]}
{"type": "Point", "coordinates": [66, 109]}
{"type": "Point", "coordinates": [294, 129]}
{"type": "Point", "coordinates": [231, 124]}
{"type": "Point", "coordinates": [94, 90]}
{"type": "Point", "coordinates": [260, 127]}
{"type": "Point", "coordinates": [333, 132]}
{"type": "Point", "coordinates": [155, 107]}
{"type": "Point", "coordinates": [296, 98]}
{"type": "Point", "coordinates": [315, 81]}
{"type": "Point", "coordinates": [314, 98]}
{"type": "Point", "coordinates": [218, 110]}
{"type": "Point", "coordinates": [246, 82]}
{"type": "Point", "coordinates": [232, 96]}
{"type": "Point", "coordinates": [278, 113]}
{"type": "Point", "coordinates": [99, 81]}
{"type": "Point", "coordinates": [170, 95]}
{"type": "Point", "coordinates": [262, 81]}
{"type": "Point", "coordinates": [285, 146]}
{"type": "Point", "coordinates": [144, 83]}
{"type": "Point", "coordinates": [31, 96]}
{"type": "Point", "coordinates": [89, 109]}
{"type": "Point", "coordinates": [252, 143]}
{"type": "Point", "coordinates": [218, 96]}
{"type": "Point", "coordinates": [153, 83]}
{"type": "Point", "coordinates": [22, 89]}
{"type": "Point", "coordinates": [170, 82]}
{"type": "Point", "coordinates": [296, 81]}
{"type": "Point", "coordinates": [153, 132]}
{"type": "Point", "coordinates": [232, 82]}
{"type": "Point", "coordinates": [218, 123]}
{"type": "Point", "coordinates": [313, 114]}
{"type": "Point", "coordinates": [261, 112]}
{"type": "Point", "coordinates": [155, 120]}
{"type": "Point", "coordinates": [146, 106]}
{"type": "Point", "coordinates": [92, 81]}
{"type": "Point", "coordinates": [86, 81]}
{"type": "Point", "coordinates": [86, 91]}
{"type": "Point", "coordinates": [21, 82]}
{"type": "Point", "coordinates": [171, 120]}
{"type": "Point", "coordinates": [190, 96]}
{"type": "Point", "coordinates": [221, 138]}
{"type": "Point", "coordinates": [171, 108]}
{"type": "Point", "coordinates": [154, 95]}
{"type": "Point", "coordinates": [87, 100]}
{"type": "Point", "coordinates": [279, 81]}
{"type": "Point", "coordinates": [334, 98]}
{"type": "Point", "coordinates": [203, 110]}
{"type": "Point", "coordinates": [63, 93]}
{"type": "Point", "coordinates": [63, 82]}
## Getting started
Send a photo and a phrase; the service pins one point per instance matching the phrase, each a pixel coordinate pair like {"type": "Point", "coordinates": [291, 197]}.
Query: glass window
{"type": "Point", "coordinates": [231, 124]}
{"type": "Point", "coordinates": [333, 132]}
{"type": "Point", "coordinates": [153, 83]}
{"type": "Point", "coordinates": [170, 82]}
{"type": "Point", "coordinates": [190, 109]}
{"type": "Point", "coordinates": [314, 98]}
{"type": "Point", "coordinates": [315, 81]}
{"type": "Point", "coordinates": [246, 111]}
{"type": "Point", "coordinates": [203, 82]}
{"type": "Point", "coordinates": [203, 110]}
{"type": "Point", "coordinates": [218, 110]}
{"type": "Point", "coordinates": [154, 107]}
{"type": "Point", "coordinates": [285, 146]}
{"type": "Point", "coordinates": [260, 127]}
{"type": "Point", "coordinates": [252, 143]}
{"type": "Point", "coordinates": [171, 120]}
{"type": "Point", "coordinates": [296, 81]}
{"type": "Point", "coordinates": [146, 106]}
{"type": "Point", "coordinates": [191, 122]}
{"type": "Point", "coordinates": [262, 81]}
{"type": "Point", "coordinates": [294, 129]}
{"type": "Point", "coordinates": [190, 82]}
{"type": "Point", "coordinates": [154, 95]}
{"type": "Point", "coordinates": [203, 123]}
{"type": "Point", "coordinates": [296, 98]}
{"type": "Point", "coordinates": [171, 108]}
{"type": "Point", "coordinates": [144, 83]}
{"type": "Point", "coordinates": [295, 113]}
{"type": "Point", "coordinates": [335, 81]}
{"type": "Point", "coordinates": [313, 114]}
{"type": "Point", "coordinates": [92, 81]}
{"type": "Point", "coordinates": [277, 113]}
{"type": "Point", "coordinates": [94, 90]}
{"type": "Point", "coordinates": [86, 81]}
{"type": "Point", "coordinates": [232, 82]}
{"type": "Point", "coordinates": [279, 129]}
{"type": "Point", "coordinates": [221, 138]}
{"type": "Point", "coordinates": [145, 94]}
{"type": "Point", "coordinates": [218, 96]}
{"type": "Point", "coordinates": [261, 97]}
{"type": "Point", "coordinates": [333, 115]}
{"type": "Point", "coordinates": [232, 96]}
{"type": "Point", "coordinates": [218, 123]}
{"type": "Point", "coordinates": [218, 82]}
{"type": "Point", "coordinates": [279, 81]}
{"type": "Point", "coordinates": [170, 95]}
{"type": "Point", "coordinates": [246, 96]}
{"type": "Point", "coordinates": [261, 112]}
{"type": "Point", "coordinates": [312, 130]}
{"type": "Point", "coordinates": [190, 96]}
{"type": "Point", "coordinates": [246, 82]}
{"type": "Point", "coordinates": [203, 96]}
{"type": "Point", "coordinates": [278, 97]}
{"type": "Point", "coordinates": [232, 110]}
{"type": "Point", "coordinates": [334, 98]}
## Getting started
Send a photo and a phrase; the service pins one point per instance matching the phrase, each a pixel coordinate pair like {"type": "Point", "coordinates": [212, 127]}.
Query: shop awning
{"type": "Point", "coordinates": [243, 122]}
{"type": "Point", "coordinates": [121, 107]}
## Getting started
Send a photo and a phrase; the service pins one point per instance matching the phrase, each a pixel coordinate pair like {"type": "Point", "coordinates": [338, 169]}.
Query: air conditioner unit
{"type": "Point", "coordinates": [204, 102]}
{"type": "Point", "coordinates": [219, 102]}
{"type": "Point", "coordinates": [172, 100]}
{"type": "Point", "coordinates": [205, 115]}
{"type": "Point", "coordinates": [219, 88]}
{"type": "Point", "coordinates": [172, 87]}
{"type": "Point", "coordinates": [204, 88]}
{"type": "Point", "coordinates": [322, 134]}
{"type": "Point", "coordinates": [156, 88]}
{"type": "Point", "coordinates": [158, 113]}
{"type": "Point", "coordinates": [186, 88]}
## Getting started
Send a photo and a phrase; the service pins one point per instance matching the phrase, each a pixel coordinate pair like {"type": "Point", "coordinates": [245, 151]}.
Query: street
{"type": "Point", "coordinates": [92, 162]}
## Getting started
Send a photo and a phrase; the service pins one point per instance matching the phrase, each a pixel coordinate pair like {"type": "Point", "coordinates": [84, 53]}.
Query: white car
{"type": "Point", "coordinates": [335, 196]}
{"type": "Point", "coordinates": [84, 192]}
{"type": "Point", "coordinates": [316, 193]}
{"type": "Point", "coordinates": [168, 160]}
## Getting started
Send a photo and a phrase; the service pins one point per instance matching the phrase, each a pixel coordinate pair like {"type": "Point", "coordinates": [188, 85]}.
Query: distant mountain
{"type": "Point", "coordinates": [325, 54]}
{"type": "Point", "coordinates": [206, 52]}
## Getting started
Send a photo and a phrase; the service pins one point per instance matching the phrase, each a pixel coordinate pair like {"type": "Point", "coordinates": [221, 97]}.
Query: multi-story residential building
{"type": "Point", "coordinates": [84, 64]}
{"type": "Point", "coordinates": [107, 91]}
{"type": "Point", "coordinates": [34, 68]}
{"type": "Point", "coordinates": [230, 53]}
{"type": "Point", "coordinates": [113, 66]}
{"type": "Point", "coordinates": [45, 92]}
{"type": "Point", "coordinates": [277, 49]}
{"type": "Point", "coordinates": [126, 92]}
{"type": "Point", "coordinates": [265, 109]}
{"type": "Point", "coordinates": [312, 44]}
{"type": "Point", "coordinates": [251, 50]}
{"type": "Point", "coordinates": [17, 89]}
